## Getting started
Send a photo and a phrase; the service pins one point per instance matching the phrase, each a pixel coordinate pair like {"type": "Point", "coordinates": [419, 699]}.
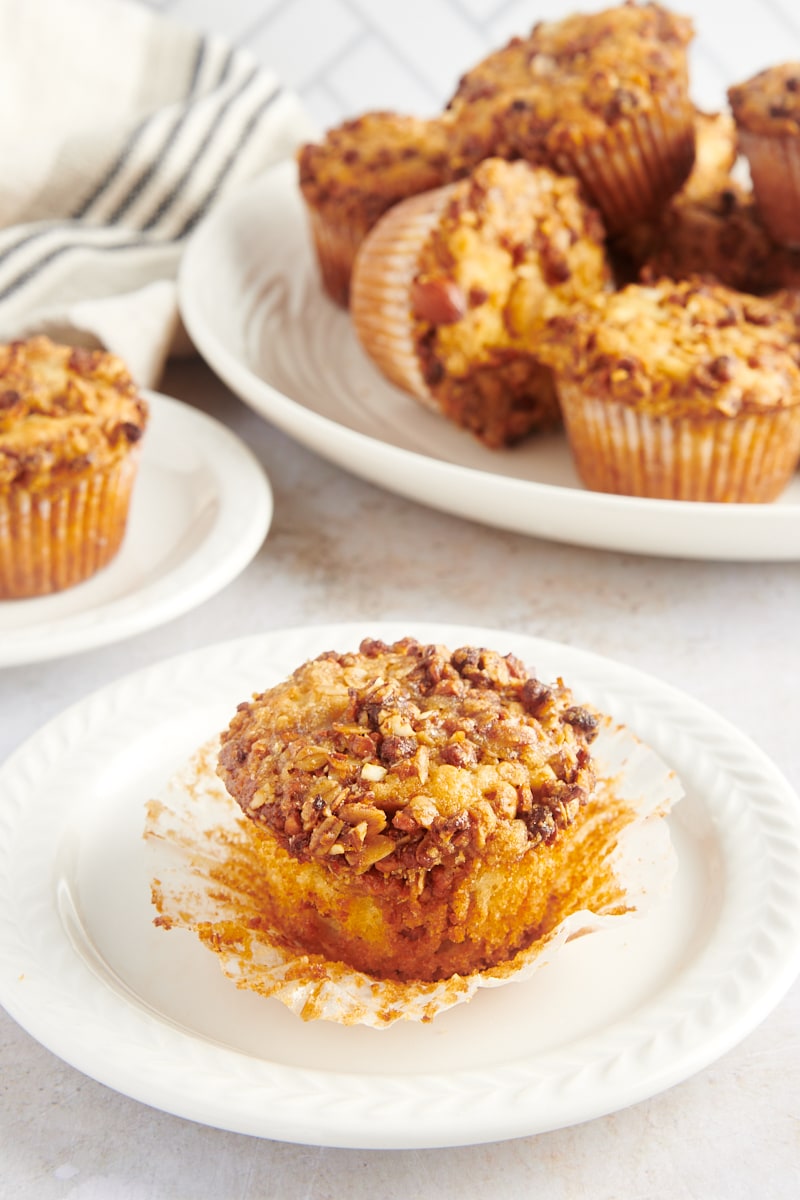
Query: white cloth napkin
{"type": "Point", "coordinates": [120, 130]}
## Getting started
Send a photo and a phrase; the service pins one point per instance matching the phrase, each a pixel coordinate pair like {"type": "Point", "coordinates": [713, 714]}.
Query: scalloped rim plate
{"type": "Point", "coordinates": [618, 1017]}
{"type": "Point", "coordinates": [262, 322]}
{"type": "Point", "coordinates": [201, 508]}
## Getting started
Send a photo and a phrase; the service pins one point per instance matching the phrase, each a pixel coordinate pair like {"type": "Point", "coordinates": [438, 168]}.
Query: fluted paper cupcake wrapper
{"type": "Point", "coordinates": [642, 160]}
{"type": "Point", "coordinates": [380, 295]}
{"type": "Point", "coordinates": [745, 459]}
{"type": "Point", "coordinates": [336, 245]}
{"type": "Point", "coordinates": [54, 539]}
{"type": "Point", "coordinates": [775, 171]}
{"type": "Point", "coordinates": [202, 853]}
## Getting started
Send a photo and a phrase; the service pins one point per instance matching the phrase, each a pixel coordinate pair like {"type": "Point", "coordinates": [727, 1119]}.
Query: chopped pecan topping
{"type": "Point", "coordinates": [403, 758]}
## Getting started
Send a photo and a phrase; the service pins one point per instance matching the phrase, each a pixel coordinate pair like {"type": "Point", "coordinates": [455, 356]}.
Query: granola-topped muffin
{"type": "Point", "coordinates": [680, 390]}
{"type": "Point", "coordinates": [358, 171]}
{"type": "Point", "coordinates": [602, 96]}
{"type": "Point", "coordinates": [766, 109]}
{"type": "Point", "coordinates": [412, 804]}
{"type": "Point", "coordinates": [70, 424]}
{"type": "Point", "coordinates": [450, 289]}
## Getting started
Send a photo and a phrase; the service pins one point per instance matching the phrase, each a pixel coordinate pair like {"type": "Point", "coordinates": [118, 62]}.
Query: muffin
{"type": "Point", "coordinates": [680, 390]}
{"type": "Point", "coordinates": [766, 109]}
{"type": "Point", "coordinates": [450, 289]}
{"type": "Point", "coordinates": [412, 806]}
{"type": "Point", "coordinates": [358, 171]}
{"type": "Point", "coordinates": [601, 96]}
{"type": "Point", "coordinates": [71, 420]}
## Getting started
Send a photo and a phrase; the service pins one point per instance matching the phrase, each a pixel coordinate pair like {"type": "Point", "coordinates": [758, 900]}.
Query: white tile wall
{"type": "Point", "coordinates": [346, 56]}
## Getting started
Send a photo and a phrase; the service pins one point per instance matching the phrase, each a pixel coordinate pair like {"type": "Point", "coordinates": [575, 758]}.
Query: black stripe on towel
{"type": "Point", "coordinates": [132, 242]}
{"type": "Point", "coordinates": [152, 169]}
{"type": "Point", "coordinates": [124, 156]}
{"type": "Point", "coordinates": [167, 202]}
{"type": "Point", "coordinates": [247, 132]}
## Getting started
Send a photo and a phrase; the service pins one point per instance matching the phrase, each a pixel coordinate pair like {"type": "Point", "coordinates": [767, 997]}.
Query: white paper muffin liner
{"type": "Point", "coordinates": [194, 830]}
{"type": "Point", "coordinates": [380, 291]}
{"type": "Point", "coordinates": [775, 170]}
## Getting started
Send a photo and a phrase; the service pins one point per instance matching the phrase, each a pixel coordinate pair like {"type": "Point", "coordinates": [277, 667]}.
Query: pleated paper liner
{"type": "Point", "coordinates": [55, 538]}
{"type": "Point", "coordinates": [745, 459]}
{"type": "Point", "coordinates": [208, 878]}
{"type": "Point", "coordinates": [775, 171]}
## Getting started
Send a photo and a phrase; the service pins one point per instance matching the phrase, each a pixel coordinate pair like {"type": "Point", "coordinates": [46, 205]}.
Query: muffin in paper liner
{"type": "Point", "coordinates": [206, 879]}
{"type": "Point", "coordinates": [602, 96]}
{"type": "Point", "coordinates": [71, 422]}
{"type": "Point", "coordinates": [680, 390]}
{"type": "Point", "coordinates": [54, 539]}
{"type": "Point", "coordinates": [357, 171]}
{"type": "Point", "coordinates": [450, 288]}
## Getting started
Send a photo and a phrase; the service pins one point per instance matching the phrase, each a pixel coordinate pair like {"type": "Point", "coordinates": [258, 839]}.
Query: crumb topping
{"type": "Point", "coordinates": [63, 408]}
{"type": "Point", "coordinates": [680, 348]}
{"type": "Point", "coordinates": [570, 78]}
{"type": "Point", "coordinates": [769, 102]}
{"type": "Point", "coordinates": [513, 246]}
{"type": "Point", "coordinates": [403, 758]}
{"type": "Point", "coordinates": [367, 164]}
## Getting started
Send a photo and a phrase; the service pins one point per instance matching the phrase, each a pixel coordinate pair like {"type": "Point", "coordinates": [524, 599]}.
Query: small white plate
{"type": "Point", "coordinates": [251, 299]}
{"type": "Point", "coordinates": [202, 506]}
{"type": "Point", "coordinates": [617, 1017]}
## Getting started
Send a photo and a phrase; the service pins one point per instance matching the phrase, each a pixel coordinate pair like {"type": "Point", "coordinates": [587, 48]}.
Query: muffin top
{"type": "Point", "coordinates": [63, 409]}
{"type": "Point", "coordinates": [403, 757]}
{"type": "Point", "coordinates": [365, 165]}
{"type": "Point", "coordinates": [514, 245]}
{"type": "Point", "coordinates": [769, 102]}
{"type": "Point", "coordinates": [569, 80]}
{"type": "Point", "coordinates": [689, 348]}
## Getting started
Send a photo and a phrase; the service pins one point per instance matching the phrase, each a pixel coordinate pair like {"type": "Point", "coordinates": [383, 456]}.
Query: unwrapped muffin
{"type": "Point", "coordinates": [70, 424]}
{"type": "Point", "coordinates": [766, 109]}
{"type": "Point", "coordinates": [451, 287]}
{"type": "Point", "coordinates": [680, 390]}
{"type": "Point", "coordinates": [359, 170]}
{"type": "Point", "coordinates": [411, 805]}
{"type": "Point", "coordinates": [601, 96]}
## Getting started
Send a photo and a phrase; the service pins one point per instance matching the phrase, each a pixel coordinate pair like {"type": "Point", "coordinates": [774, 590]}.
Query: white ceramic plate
{"type": "Point", "coordinates": [619, 1016]}
{"type": "Point", "coordinates": [251, 300]}
{"type": "Point", "coordinates": [201, 508]}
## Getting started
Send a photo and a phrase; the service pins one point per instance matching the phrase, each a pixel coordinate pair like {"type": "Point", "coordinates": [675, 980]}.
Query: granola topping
{"type": "Point", "coordinates": [689, 348]}
{"type": "Point", "coordinates": [400, 759]}
{"type": "Point", "coordinates": [63, 409]}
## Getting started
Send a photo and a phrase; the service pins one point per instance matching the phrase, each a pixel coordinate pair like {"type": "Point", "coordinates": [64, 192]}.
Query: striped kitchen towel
{"type": "Point", "coordinates": [120, 130]}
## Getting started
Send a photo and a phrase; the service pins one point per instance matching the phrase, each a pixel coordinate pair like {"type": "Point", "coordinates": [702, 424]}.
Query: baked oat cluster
{"type": "Point", "coordinates": [569, 165]}
{"type": "Point", "coordinates": [410, 804]}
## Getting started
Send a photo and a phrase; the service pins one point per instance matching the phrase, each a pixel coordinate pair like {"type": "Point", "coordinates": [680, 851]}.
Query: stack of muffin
{"type": "Point", "coordinates": [566, 241]}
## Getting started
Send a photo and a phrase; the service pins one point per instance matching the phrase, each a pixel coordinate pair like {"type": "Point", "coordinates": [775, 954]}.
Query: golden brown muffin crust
{"type": "Point", "coordinates": [399, 759]}
{"type": "Point", "coordinates": [365, 165]}
{"type": "Point", "coordinates": [514, 245]}
{"type": "Point", "coordinates": [63, 409]}
{"type": "Point", "coordinates": [769, 102]}
{"type": "Point", "coordinates": [569, 80]}
{"type": "Point", "coordinates": [687, 348]}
